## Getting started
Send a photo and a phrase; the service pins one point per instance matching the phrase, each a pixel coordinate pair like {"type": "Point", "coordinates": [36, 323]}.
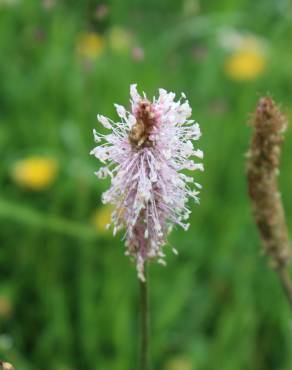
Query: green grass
{"type": "Point", "coordinates": [74, 295]}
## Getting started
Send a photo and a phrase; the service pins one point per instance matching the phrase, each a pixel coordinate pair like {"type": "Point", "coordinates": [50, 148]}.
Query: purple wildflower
{"type": "Point", "coordinates": [144, 155]}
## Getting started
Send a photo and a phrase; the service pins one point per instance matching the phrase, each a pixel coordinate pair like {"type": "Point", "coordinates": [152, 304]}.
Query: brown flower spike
{"type": "Point", "coordinates": [263, 159]}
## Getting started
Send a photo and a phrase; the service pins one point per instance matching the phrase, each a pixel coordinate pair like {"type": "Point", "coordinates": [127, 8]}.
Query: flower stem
{"type": "Point", "coordinates": [144, 322]}
{"type": "Point", "coordinates": [286, 283]}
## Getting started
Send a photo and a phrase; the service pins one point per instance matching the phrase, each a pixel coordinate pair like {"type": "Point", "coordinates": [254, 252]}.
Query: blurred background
{"type": "Point", "coordinates": [68, 295]}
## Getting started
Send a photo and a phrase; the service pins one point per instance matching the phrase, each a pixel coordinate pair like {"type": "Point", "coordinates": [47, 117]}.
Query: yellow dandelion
{"type": "Point", "coordinates": [120, 39]}
{"type": "Point", "coordinates": [35, 173]}
{"type": "Point", "coordinates": [101, 218]}
{"type": "Point", "coordinates": [90, 45]}
{"type": "Point", "coordinates": [244, 65]}
{"type": "Point", "coordinates": [179, 363]}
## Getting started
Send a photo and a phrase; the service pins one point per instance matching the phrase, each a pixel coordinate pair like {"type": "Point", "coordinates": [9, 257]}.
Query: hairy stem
{"type": "Point", "coordinates": [144, 322]}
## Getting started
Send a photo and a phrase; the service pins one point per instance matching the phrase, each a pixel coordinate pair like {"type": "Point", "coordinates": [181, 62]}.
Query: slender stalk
{"type": "Point", "coordinates": [144, 323]}
{"type": "Point", "coordinates": [286, 283]}
{"type": "Point", "coordinates": [263, 163]}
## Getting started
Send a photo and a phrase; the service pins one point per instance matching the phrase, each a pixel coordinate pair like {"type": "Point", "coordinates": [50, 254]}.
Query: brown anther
{"type": "Point", "coordinates": [139, 134]}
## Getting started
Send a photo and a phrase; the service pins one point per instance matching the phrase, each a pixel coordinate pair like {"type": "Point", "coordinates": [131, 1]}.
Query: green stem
{"type": "Point", "coordinates": [286, 283]}
{"type": "Point", "coordinates": [144, 323]}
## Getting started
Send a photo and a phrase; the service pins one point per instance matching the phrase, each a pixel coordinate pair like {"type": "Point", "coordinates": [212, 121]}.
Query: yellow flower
{"type": "Point", "coordinates": [90, 45]}
{"type": "Point", "coordinates": [101, 218]}
{"type": "Point", "coordinates": [245, 64]}
{"type": "Point", "coordinates": [120, 39]}
{"type": "Point", "coordinates": [35, 173]}
{"type": "Point", "coordinates": [179, 363]}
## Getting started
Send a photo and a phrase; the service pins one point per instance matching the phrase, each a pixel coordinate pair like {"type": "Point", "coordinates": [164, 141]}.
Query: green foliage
{"type": "Point", "coordinates": [72, 295]}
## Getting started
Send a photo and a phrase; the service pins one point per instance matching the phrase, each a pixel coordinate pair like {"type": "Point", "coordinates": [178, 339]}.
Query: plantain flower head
{"type": "Point", "coordinates": [144, 154]}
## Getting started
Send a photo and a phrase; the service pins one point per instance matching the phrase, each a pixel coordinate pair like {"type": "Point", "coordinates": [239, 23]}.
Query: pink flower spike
{"type": "Point", "coordinates": [144, 154]}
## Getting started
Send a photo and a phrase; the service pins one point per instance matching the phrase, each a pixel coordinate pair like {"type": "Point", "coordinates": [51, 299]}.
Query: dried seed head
{"type": "Point", "coordinates": [263, 160]}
